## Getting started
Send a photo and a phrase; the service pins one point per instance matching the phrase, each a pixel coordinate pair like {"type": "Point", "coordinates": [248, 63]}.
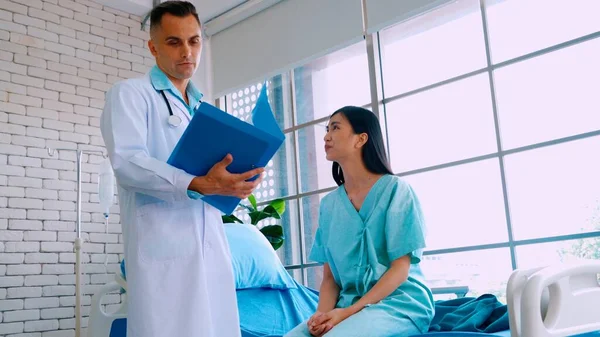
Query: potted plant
{"type": "Point", "coordinates": [273, 233]}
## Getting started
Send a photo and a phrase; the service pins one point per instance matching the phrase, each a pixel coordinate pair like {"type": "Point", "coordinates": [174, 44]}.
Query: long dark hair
{"type": "Point", "coordinates": [373, 152]}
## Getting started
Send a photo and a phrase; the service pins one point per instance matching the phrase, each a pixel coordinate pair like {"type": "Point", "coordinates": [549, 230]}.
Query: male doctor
{"type": "Point", "coordinates": [179, 275]}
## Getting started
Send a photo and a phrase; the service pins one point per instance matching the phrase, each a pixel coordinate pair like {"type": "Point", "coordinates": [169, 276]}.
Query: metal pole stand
{"type": "Point", "coordinates": [78, 240]}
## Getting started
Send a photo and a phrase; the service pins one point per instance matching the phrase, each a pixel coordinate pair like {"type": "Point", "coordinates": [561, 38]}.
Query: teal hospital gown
{"type": "Point", "coordinates": [359, 247]}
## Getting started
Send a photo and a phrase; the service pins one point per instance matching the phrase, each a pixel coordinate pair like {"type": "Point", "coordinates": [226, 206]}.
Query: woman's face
{"type": "Point", "coordinates": [340, 140]}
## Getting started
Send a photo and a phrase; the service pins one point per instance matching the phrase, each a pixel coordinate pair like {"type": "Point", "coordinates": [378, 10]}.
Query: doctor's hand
{"type": "Point", "coordinates": [221, 182]}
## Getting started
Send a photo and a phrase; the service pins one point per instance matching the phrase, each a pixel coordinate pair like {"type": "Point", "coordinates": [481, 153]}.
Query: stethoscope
{"type": "Point", "coordinates": [173, 120]}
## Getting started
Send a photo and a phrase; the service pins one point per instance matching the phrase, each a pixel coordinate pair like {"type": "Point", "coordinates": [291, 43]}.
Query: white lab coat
{"type": "Point", "coordinates": [179, 275]}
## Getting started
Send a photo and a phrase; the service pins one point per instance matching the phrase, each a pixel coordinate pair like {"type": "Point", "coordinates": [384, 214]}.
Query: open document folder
{"type": "Point", "coordinates": [213, 133]}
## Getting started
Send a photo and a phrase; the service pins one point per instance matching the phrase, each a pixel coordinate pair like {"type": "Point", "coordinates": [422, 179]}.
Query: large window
{"type": "Point", "coordinates": [490, 113]}
{"type": "Point", "coordinates": [445, 124]}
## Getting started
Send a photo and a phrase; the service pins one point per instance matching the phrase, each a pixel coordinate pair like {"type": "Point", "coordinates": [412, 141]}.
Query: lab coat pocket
{"type": "Point", "coordinates": [166, 232]}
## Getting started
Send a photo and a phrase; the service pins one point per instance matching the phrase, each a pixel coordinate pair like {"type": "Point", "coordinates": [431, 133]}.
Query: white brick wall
{"type": "Point", "coordinates": [57, 60]}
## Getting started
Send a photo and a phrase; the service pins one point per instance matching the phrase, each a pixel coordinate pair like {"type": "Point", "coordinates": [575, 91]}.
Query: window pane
{"type": "Point", "coordinates": [483, 271]}
{"type": "Point", "coordinates": [551, 96]}
{"type": "Point", "coordinates": [279, 179]}
{"type": "Point", "coordinates": [518, 27]}
{"type": "Point", "coordinates": [315, 276]}
{"type": "Point", "coordinates": [315, 169]}
{"type": "Point", "coordinates": [433, 47]}
{"type": "Point", "coordinates": [462, 205]}
{"type": "Point", "coordinates": [331, 82]}
{"type": "Point", "coordinates": [289, 253]}
{"type": "Point", "coordinates": [310, 220]}
{"type": "Point", "coordinates": [539, 255]}
{"type": "Point", "coordinates": [554, 190]}
{"type": "Point", "coordinates": [445, 124]}
{"type": "Point", "coordinates": [241, 102]}
{"type": "Point", "coordinates": [296, 274]}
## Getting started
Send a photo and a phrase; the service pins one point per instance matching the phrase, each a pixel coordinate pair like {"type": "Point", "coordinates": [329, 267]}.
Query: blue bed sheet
{"type": "Point", "coordinates": [266, 312]}
{"type": "Point", "coordinates": [505, 333]}
{"type": "Point", "coordinates": [274, 312]}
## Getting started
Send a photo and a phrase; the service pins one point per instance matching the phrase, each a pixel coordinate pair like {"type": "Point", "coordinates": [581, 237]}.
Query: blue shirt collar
{"type": "Point", "coordinates": [160, 81]}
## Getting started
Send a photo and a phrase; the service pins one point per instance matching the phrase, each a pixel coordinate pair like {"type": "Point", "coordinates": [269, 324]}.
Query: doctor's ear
{"type": "Point", "coordinates": [152, 47]}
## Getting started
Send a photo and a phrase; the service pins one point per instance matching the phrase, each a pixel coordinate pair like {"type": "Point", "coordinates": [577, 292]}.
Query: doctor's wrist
{"type": "Point", "coordinates": [203, 185]}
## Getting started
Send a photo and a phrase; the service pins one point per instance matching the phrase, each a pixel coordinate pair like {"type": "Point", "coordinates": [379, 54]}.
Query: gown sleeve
{"type": "Point", "coordinates": [124, 129]}
{"type": "Point", "coordinates": [405, 226]}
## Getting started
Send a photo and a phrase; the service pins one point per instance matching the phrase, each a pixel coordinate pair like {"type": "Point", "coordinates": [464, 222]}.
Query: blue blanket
{"type": "Point", "coordinates": [271, 312]}
{"type": "Point", "coordinates": [274, 312]}
{"type": "Point", "coordinates": [483, 314]}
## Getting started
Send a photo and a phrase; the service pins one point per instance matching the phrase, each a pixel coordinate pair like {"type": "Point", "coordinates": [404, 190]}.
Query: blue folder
{"type": "Point", "coordinates": [213, 133]}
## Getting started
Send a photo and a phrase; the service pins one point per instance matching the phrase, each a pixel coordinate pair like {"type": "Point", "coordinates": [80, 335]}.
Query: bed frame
{"type": "Point", "coordinates": [554, 301]}
{"type": "Point", "coordinates": [101, 323]}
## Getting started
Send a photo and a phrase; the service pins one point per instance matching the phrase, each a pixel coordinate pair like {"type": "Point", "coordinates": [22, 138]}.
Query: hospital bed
{"type": "Point", "coordinates": [553, 301]}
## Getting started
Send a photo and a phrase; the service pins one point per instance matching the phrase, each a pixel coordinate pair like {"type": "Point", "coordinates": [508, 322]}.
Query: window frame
{"type": "Point", "coordinates": [378, 104]}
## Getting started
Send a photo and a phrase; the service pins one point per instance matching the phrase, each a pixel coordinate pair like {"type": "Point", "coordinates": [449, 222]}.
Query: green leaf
{"type": "Point", "coordinates": [248, 208]}
{"type": "Point", "coordinates": [230, 219]}
{"type": "Point", "coordinates": [271, 212]}
{"type": "Point", "coordinates": [257, 216]}
{"type": "Point", "coordinates": [275, 230]}
{"type": "Point", "coordinates": [267, 212]}
{"type": "Point", "coordinates": [278, 205]}
{"type": "Point", "coordinates": [252, 201]}
{"type": "Point", "coordinates": [274, 234]}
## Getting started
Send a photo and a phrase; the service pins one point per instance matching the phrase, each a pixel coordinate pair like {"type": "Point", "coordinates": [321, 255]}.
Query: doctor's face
{"type": "Point", "coordinates": [176, 44]}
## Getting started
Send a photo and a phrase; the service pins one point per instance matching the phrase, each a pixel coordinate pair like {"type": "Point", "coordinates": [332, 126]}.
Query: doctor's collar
{"type": "Point", "coordinates": [160, 81]}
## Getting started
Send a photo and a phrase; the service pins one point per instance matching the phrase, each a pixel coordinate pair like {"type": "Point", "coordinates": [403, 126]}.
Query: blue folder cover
{"type": "Point", "coordinates": [213, 133]}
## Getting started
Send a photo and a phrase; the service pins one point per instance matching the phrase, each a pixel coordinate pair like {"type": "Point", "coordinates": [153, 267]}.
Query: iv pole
{"type": "Point", "coordinates": [78, 240]}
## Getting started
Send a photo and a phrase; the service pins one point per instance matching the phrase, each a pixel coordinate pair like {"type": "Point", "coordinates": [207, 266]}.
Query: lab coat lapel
{"type": "Point", "coordinates": [180, 109]}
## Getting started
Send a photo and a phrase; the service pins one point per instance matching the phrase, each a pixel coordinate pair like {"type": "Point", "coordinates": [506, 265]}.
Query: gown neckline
{"type": "Point", "coordinates": [366, 202]}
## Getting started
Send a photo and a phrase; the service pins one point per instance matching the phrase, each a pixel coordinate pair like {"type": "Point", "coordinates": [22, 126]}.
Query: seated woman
{"type": "Point", "coordinates": [370, 238]}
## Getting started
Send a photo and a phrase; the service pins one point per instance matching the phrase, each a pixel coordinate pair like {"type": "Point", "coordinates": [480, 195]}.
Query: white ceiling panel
{"type": "Point", "coordinates": [210, 9]}
{"type": "Point", "coordinates": [207, 9]}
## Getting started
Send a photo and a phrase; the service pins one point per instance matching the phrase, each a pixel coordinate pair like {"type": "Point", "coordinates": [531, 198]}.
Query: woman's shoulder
{"type": "Point", "coordinates": [330, 198]}
{"type": "Point", "coordinates": [398, 189]}
{"type": "Point", "coordinates": [398, 184]}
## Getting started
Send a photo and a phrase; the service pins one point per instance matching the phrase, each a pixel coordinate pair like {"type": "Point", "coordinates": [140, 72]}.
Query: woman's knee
{"type": "Point", "coordinates": [372, 323]}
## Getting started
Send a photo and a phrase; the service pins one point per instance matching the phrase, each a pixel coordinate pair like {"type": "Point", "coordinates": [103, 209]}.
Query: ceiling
{"type": "Point", "coordinates": [210, 9]}
{"type": "Point", "coordinates": [207, 9]}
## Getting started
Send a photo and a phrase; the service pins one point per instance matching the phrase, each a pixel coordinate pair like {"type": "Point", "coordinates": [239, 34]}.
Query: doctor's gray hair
{"type": "Point", "coordinates": [177, 8]}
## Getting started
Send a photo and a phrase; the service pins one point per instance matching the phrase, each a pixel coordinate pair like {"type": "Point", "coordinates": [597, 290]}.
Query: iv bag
{"type": "Point", "coordinates": [106, 186]}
